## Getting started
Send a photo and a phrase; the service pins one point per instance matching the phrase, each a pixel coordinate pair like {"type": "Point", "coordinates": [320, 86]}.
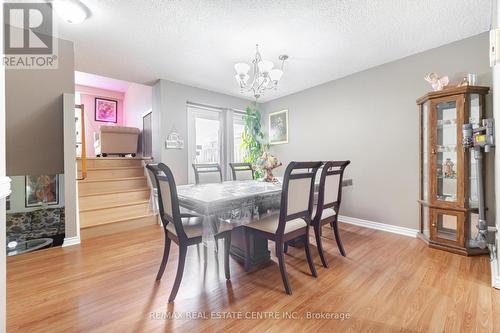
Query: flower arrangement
{"type": "Point", "coordinates": [268, 163]}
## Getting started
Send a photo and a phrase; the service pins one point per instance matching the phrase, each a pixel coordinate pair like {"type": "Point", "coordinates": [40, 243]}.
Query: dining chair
{"type": "Point", "coordinates": [207, 173]}
{"type": "Point", "coordinates": [242, 171]}
{"type": "Point", "coordinates": [294, 218]}
{"type": "Point", "coordinates": [151, 170]}
{"type": "Point", "coordinates": [183, 229]}
{"type": "Point", "coordinates": [328, 206]}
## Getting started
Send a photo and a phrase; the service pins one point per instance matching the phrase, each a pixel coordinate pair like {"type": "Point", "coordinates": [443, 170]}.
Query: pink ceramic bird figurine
{"type": "Point", "coordinates": [437, 83]}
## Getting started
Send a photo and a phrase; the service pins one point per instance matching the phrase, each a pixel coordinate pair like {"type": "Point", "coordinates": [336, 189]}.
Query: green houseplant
{"type": "Point", "coordinates": [253, 138]}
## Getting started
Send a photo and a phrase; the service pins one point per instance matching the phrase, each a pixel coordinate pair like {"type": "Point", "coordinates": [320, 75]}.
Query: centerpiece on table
{"type": "Point", "coordinates": [268, 163]}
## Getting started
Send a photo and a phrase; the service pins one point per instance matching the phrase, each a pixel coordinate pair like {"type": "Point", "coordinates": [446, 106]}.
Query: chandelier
{"type": "Point", "coordinates": [265, 76]}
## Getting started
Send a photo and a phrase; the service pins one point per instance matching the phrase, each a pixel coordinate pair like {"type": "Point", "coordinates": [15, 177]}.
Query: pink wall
{"type": "Point", "coordinates": [87, 98]}
{"type": "Point", "coordinates": [138, 101]}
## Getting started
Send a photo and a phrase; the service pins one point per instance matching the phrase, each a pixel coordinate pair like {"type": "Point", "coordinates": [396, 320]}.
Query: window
{"type": "Point", "coordinates": [238, 128]}
{"type": "Point", "coordinates": [207, 132]}
{"type": "Point", "coordinates": [214, 136]}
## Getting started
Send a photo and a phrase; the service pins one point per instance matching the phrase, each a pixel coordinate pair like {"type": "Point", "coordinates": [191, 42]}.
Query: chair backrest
{"type": "Point", "coordinates": [297, 195]}
{"type": "Point", "coordinates": [152, 170]}
{"type": "Point", "coordinates": [207, 173]}
{"type": "Point", "coordinates": [168, 202]}
{"type": "Point", "coordinates": [242, 171]}
{"type": "Point", "coordinates": [330, 186]}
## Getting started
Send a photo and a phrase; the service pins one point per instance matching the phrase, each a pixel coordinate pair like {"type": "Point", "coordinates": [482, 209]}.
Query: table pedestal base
{"type": "Point", "coordinates": [259, 253]}
{"type": "Point", "coordinates": [298, 242]}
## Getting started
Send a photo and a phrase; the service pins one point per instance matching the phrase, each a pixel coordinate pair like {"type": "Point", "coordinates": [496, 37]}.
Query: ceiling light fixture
{"type": "Point", "coordinates": [265, 76]}
{"type": "Point", "coordinates": [71, 11]}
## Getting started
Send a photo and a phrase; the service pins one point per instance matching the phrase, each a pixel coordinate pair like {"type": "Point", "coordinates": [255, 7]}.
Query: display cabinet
{"type": "Point", "coordinates": [448, 191]}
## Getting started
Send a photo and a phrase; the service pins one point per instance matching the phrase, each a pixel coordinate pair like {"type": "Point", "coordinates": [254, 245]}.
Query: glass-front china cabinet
{"type": "Point", "coordinates": [448, 191]}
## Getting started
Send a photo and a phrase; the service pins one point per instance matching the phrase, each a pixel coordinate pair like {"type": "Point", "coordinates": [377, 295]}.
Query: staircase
{"type": "Point", "coordinates": [114, 196]}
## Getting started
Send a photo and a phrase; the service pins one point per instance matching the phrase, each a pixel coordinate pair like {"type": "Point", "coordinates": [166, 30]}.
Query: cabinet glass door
{"type": "Point", "coordinates": [446, 148]}
{"type": "Point", "coordinates": [446, 154]}
{"type": "Point", "coordinates": [447, 226]}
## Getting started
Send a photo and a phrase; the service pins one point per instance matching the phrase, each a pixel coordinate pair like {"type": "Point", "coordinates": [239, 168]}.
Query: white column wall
{"type": "Point", "coordinates": [496, 114]}
{"type": "Point", "coordinates": [72, 223]}
{"type": "Point", "coordinates": [4, 192]}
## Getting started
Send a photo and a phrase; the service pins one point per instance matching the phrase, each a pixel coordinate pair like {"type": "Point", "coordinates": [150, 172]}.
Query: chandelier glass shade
{"type": "Point", "coordinates": [265, 76]}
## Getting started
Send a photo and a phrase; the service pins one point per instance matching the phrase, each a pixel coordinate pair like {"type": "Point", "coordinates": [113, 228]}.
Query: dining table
{"type": "Point", "coordinates": [236, 203]}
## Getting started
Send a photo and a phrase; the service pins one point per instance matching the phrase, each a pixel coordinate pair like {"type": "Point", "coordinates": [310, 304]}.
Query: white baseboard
{"type": "Point", "coordinates": [379, 226]}
{"type": "Point", "coordinates": [71, 241]}
{"type": "Point", "coordinates": [496, 282]}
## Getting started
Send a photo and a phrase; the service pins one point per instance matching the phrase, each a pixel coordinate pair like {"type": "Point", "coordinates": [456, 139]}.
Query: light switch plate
{"type": "Point", "coordinates": [347, 182]}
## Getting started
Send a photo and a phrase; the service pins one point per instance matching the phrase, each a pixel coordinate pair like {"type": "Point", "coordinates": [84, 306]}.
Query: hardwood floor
{"type": "Point", "coordinates": [387, 283]}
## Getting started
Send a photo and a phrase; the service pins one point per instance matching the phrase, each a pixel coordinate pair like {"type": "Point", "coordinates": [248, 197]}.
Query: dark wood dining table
{"type": "Point", "coordinates": [236, 203]}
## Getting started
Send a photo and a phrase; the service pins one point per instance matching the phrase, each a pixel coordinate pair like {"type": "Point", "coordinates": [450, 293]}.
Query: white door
{"type": "Point", "coordinates": [204, 138]}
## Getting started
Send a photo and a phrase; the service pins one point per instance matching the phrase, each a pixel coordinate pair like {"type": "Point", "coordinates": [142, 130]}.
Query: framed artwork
{"type": "Point", "coordinates": [106, 110]}
{"type": "Point", "coordinates": [278, 127]}
{"type": "Point", "coordinates": [42, 190]}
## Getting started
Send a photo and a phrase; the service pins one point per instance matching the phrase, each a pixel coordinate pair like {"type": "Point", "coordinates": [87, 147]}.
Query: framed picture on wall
{"type": "Point", "coordinates": [278, 127]}
{"type": "Point", "coordinates": [42, 190]}
{"type": "Point", "coordinates": [106, 110]}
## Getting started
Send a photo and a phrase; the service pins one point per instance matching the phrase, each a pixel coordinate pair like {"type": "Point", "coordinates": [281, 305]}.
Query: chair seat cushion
{"type": "Point", "coordinates": [270, 224]}
{"type": "Point", "coordinates": [193, 227]}
{"type": "Point", "coordinates": [327, 212]}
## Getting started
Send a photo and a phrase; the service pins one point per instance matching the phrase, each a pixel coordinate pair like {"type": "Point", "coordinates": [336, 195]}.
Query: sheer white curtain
{"type": "Point", "coordinates": [229, 143]}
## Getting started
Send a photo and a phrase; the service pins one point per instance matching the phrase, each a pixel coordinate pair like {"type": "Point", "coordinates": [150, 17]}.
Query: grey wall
{"type": "Point", "coordinates": [169, 109]}
{"type": "Point", "coordinates": [371, 119]}
{"type": "Point", "coordinates": [34, 115]}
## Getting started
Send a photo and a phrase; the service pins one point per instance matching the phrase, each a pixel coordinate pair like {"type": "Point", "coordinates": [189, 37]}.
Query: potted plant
{"type": "Point", "coordinates": [253, 139]}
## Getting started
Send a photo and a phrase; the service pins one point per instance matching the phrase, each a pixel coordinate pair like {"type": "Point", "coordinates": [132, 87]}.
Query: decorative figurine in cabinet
{"type": "Point", "coordinates": [448, 191]}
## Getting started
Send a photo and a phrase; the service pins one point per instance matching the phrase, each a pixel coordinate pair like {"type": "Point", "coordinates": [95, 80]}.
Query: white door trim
{"type": "Point", "coordinates": [4, 187]}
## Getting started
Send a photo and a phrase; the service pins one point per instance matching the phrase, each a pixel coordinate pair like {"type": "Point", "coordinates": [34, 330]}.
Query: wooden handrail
{"type": "Point", "coordinates": [84, 152]}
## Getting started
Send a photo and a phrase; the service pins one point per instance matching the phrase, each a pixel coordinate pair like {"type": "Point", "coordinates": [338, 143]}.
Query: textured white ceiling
{"type": "Point", "coordinates": [198, 42]}
{"type": "Point", "coordinates": [101, 82]}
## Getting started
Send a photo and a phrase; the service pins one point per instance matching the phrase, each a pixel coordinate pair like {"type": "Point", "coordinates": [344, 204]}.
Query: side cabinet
{"type": "Point", "coordinates": [448, 192]}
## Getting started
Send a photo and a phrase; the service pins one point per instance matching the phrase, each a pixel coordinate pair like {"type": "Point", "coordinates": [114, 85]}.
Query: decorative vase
{"type": "Point", "coordinates": [269, 176]}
